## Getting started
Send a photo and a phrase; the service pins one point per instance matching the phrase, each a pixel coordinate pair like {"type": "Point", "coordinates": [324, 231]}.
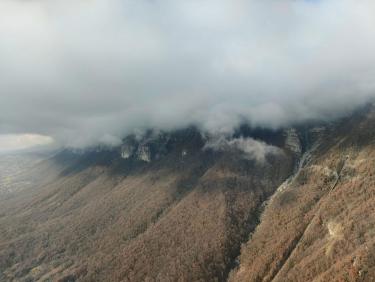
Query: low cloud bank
{"type": "Point", "coordinates": [89, 72]}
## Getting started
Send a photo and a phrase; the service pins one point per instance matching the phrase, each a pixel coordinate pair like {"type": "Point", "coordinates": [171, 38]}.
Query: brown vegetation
{"type": "Point", "coordinates": [322, 226]}
{"type": "Point", "coordinates": [184, 217]}
{"type": "Point", "coordinates": [168, 220]}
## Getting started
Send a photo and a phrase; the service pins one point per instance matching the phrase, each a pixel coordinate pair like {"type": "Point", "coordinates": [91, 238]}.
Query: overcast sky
{"type": "Point", "coordinates": [92, 71]}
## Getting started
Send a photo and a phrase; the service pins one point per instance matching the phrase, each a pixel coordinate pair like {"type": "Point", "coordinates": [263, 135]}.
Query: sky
{"type": "Point", "coordinates": [88, 72]}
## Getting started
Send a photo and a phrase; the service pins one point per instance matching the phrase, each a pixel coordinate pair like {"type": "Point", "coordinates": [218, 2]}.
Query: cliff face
{"type": "Point", "coordinates": [178, 206]}
{"type": "Point", "coordinates": [293, 141]}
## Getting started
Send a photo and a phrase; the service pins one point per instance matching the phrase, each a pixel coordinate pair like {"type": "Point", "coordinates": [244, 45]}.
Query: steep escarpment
{"type": "Point", "coordinates": [161, 208]}
{"type": "Point", "coordinates": [320, 225]}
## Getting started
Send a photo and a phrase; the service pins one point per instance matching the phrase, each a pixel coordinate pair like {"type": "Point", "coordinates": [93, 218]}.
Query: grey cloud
{"type": "Point", "coordinates": [92, 71]}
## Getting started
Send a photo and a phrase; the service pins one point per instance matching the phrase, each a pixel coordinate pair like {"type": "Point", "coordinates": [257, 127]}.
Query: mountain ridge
{"type": "Point", "coordinates": [188, 211]}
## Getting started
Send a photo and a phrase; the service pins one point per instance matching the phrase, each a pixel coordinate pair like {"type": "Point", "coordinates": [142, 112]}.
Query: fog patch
{"type": "Point", "coordinates": [250, 148]}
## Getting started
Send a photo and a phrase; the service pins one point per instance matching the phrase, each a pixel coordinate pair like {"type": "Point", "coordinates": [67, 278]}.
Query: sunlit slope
{"type": "Point", "coordinates": [321, 225]}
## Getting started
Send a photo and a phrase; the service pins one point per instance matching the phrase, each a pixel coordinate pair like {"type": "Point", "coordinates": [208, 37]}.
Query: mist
{"type": "Point", "coordinates": [90, 72]}
{"type": "Point", "coordinates": [252, 149]}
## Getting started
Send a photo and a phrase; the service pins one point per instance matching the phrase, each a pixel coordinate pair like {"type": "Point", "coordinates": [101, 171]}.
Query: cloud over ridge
{"type": "Point", "coordinates": [89, 71]}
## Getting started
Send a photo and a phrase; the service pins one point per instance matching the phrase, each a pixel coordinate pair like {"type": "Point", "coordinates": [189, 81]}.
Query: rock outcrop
{"type": "Point", "coordinates": [144, 153]}
{"type": "Point", "coordinates": [293, 141]}
{"type": "Point", "coordinates": [127, 151]}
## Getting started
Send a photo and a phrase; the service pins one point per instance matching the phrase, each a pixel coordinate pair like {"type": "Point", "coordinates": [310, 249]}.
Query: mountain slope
{"type": "Point", "coordinates": [172, 210]}
{"type": "Point", "coordinates": [320, 225]}
{"type": "Point", "coordinates": [286, 205]}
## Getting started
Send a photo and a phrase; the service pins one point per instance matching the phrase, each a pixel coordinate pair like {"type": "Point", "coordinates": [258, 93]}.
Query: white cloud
{"type": "Point", "coordinates": [88, 71]}
{"type": "Point", "coordinates": [252, 149]}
